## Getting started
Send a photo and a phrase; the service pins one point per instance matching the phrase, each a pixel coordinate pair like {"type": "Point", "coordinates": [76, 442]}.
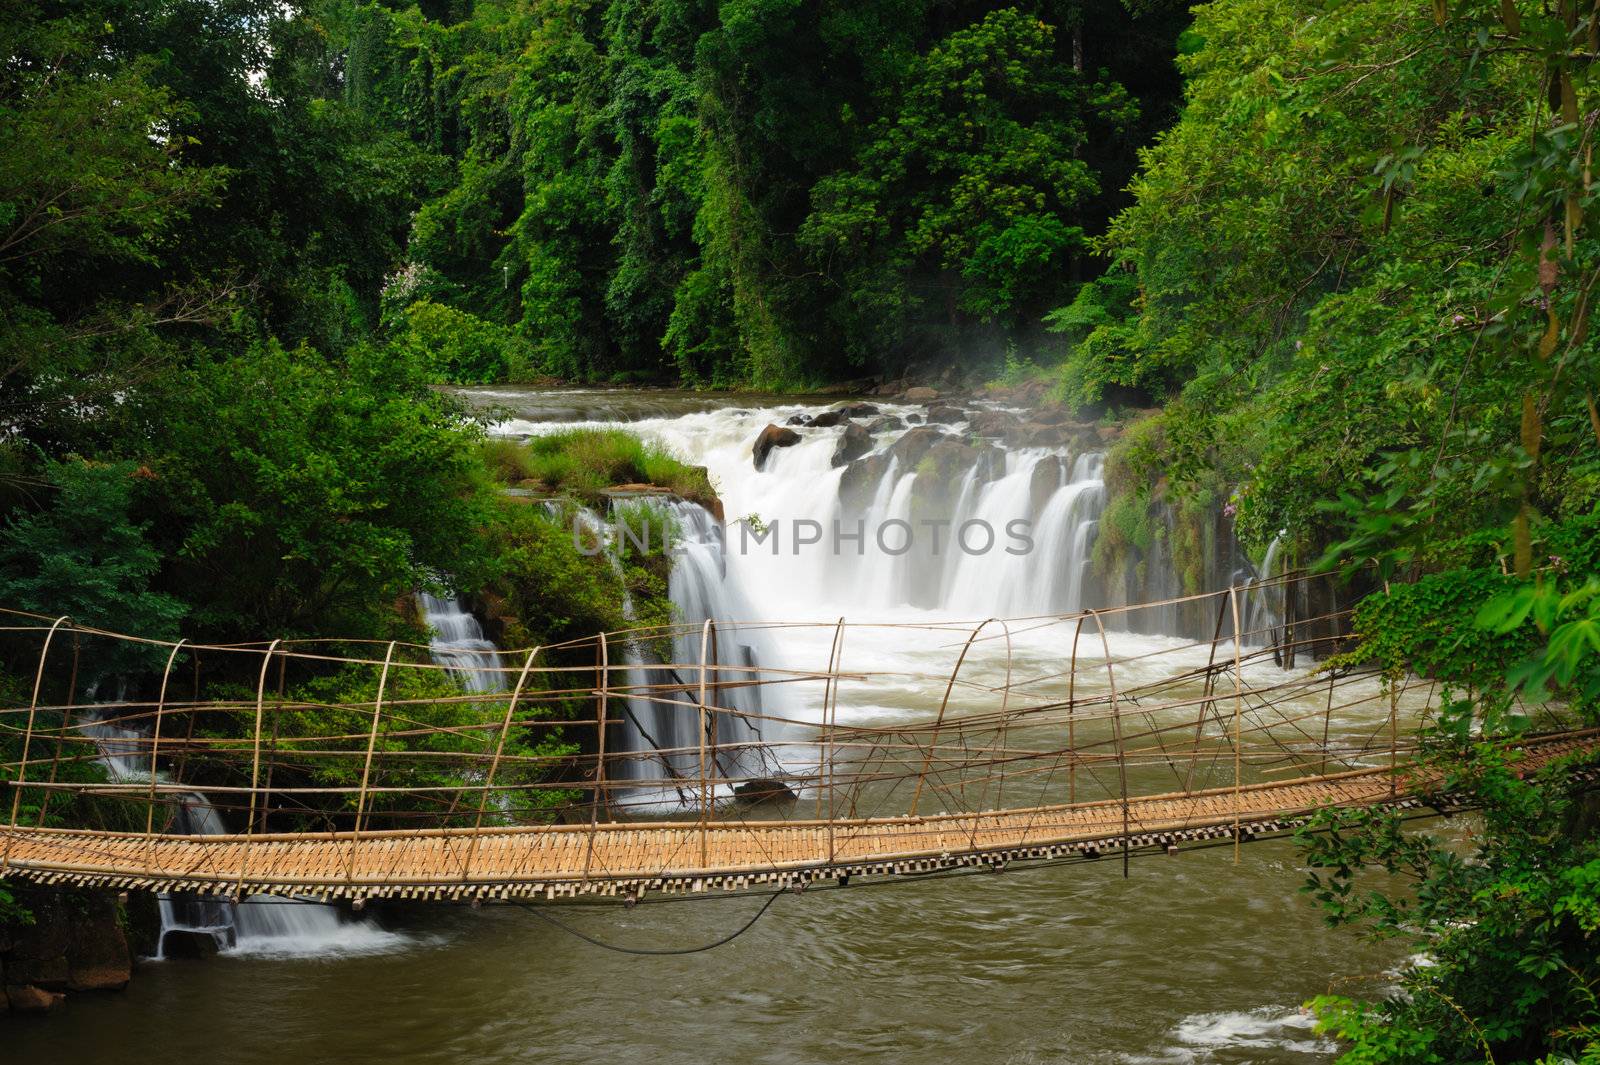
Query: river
{"type": "Point", "coordinates": [1194, 958]}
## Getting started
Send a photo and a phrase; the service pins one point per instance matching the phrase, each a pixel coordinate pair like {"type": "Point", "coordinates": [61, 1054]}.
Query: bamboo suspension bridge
{"type": "Point", "coordinates": [1044, 739]}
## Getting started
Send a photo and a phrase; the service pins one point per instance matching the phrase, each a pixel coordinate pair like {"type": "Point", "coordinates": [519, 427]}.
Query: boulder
{"type": "Point", "coordinates": [182, 943]}
{"type": "Point", "coordinates": [855, 442]}
{"type": "Point", "coordinates": [1033, 434]}
{"type": "Point", "coordinates": [828, 419]}
{"type": "Point", "coordinates": [945, 415]}
{"type": "Point", "coordinates": [98, 958]}
{"type": "Point", "coordinates": [910, 448]}
{"type": "Point", "coordinates": [799, 419]}
{"type": "Point", "coordinates": [770, 437]}
{"type": "Point", "coordinates": [860, 481]}
{"type": "Point", "coordinates": [885, 424]}
{"type": "Point", "coordinates": [991, 423]}
{"type": "Point", "coordinates": [920, 394]}
{"type": "Point", "coordinates": [27, 998]}
{"type": "Point", "coordinates": [764, 790]}
{"type": "Point", "coordinates": [1052, 416]}
{"type": "Point", "coordinates": [860, 410]}
{"type": "Point", "coordinates": [1047, 477]}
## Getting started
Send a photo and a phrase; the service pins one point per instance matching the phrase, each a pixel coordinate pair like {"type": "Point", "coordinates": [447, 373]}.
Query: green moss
{"type": "Point", "coordinates": [584, 463]}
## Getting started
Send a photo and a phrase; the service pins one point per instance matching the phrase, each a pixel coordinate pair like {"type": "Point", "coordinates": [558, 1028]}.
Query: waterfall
{"type": "Point", "coordinates": [459, 644]}
{"type": "Point", "coordinates": [260, 924]}
{"type": "Point", "coordinates": [700, 589]}
{"type": "Point", "coordinates": [1265, 607]}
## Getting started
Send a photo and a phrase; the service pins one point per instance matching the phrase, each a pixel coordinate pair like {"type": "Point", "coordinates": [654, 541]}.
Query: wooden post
{"type": "Point", "coordinates": [277, 728]}
{"type": "Point", "coordinates": [1116, 724]}
{"type": "Point", "coordinates": [825, 757]}
{"type": "Point", "coordinates": [600, 795]}
{"type": "Point", "coordinates": [1238, 711]}
{"type": "Point", "coordinates": [494, 763]}
{"type": "Point", "coordinates": [255, 768]}
{"type": "Point", "coordinates": [366, 764]}
{"type": "Point", "coordinates": [1072, 723]}
{"type": "Point", "coordinates": [705, 796]}
{"type": "Point", "coordinates": [938, 722]}
{"type": "Point", "coordinates": [601, 690]}
{"type": "Point", "coordinates": [66, 725]}
{"type": "Point", "coordinates": [1208, 698]}
{"type": "Point", "coordinates": [155, 750]}
{"type": "Point", "coordinates": [27, 743]}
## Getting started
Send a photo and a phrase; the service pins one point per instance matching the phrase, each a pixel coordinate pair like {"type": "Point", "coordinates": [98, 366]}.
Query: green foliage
{"type": "Point", "coordinates": [296, 495]}
{"type": "Point", "coordinates": [462, 347]}
{"type": "Point", "coordinates": [584, 463]}
{"type": "Point", "coordinates": [84, 556]}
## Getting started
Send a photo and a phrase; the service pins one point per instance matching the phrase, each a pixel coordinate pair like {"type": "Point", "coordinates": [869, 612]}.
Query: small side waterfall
{"type": "Point", "coordinates": [1265, 607]}
{"type": "Point", "coordinates": [262, 924]}
{"type": "Point", "coordinates": [459, 644]}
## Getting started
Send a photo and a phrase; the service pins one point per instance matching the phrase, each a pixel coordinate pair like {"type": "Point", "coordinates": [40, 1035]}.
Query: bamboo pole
{"type": "Point", "coordinates": [938, 723]}
{"type": "Point", "coordinates": [155, 751]}
{"type": "Point", "coordinates": [66, 724]}
{"type": "Point", "coordinates": [705, 796]}
{"type": "Point", "coordinates": [27, 742]}
{"type": "Point", "coordinates": [1238, 711]}
{"type": "Point", "coordinates": [1116, 724]}
{"type": "Point", "coordinates": [366, 763]}
{"type": "Point", "coordinates": [255, 767]}
{"type": "Point", "coordinates": [494, 763]}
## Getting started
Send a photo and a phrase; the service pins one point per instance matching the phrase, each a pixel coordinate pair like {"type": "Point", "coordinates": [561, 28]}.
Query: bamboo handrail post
{"type": "Point", "coordinates": [366, 763]}
{"type": "Point", "coordinates": [494, 763]}
{"type": "Point", "coordinates": [1208, 700]}
{"type": "Point", "coordinates": [155, 751]}
{"type": "Point", "coordinates": [277, 726]}
{"type": "Point", "coordinates": [1116, 724]}
{"type": "Point", "coordinates": [255, 766]}
{"type": "Point", "coordinates": [705, 797]}
{"type": "Point", "coordinates": [66, 723]}
{"type": "Point", "coordinates": [27, 743]}
{"type": "Point", "coordinates": [1072, 723]}
{"type": "Point", "coordinates": [600, 795]}
{"type": "Point", "coordinates": [938, 722]}
{"type": "Point", "coordinates": [1238, 711]}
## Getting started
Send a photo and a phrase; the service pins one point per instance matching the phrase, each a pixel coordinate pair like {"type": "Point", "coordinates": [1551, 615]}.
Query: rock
{"type": "Point", "coordinates": [860, 480]}
{"type": "Point", "coordinates": [764, 790]}
{"type": "Point", "coordinates": [945, 415]}
{"type": "Point", "coordinates": [992, 423]}
{"type": "Point", "coordinates": [828, 419]}
{"type": "Point", "coordinates": [889, 388]}
{"type": "Point", "coordinates": [1052, 416]}
{"type": "Point", "coordinates": [142, 907]}
{"type": "Point", "coordinates": [98, 958]}
{"type": "Point", "coordinates": [915, 419]}
{"type": "Point", "coordinates": [799, 419]}
{"type": "Point", "coordinates": [1108, 433]}
{"type": "Point", "coordinates": [1047, 477]}
{"type": "Point", "coordinates": [855, 442]}
{"type": "Point", "coordinates": [910, 448]}
{"type": "Point", "coordinates": [920, 394]}
{"type": "Point", "coordinates": [182, 943]}
{"type": "Point", "coordinates": [770, 437]}
{"type": "Point", "coordinates": [1032, 434]}
{"type": "Point", "coordinates": [885, 424]}
{"type": "Point", "coordinates": [27, 998]}
{"type": "Point", "coordinates": [860, 410]}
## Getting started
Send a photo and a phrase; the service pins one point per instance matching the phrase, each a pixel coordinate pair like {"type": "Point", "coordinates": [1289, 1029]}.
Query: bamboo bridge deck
{"type": "Point", "coordinates": [551, 785]}
{"type": "Point", "coordinates": [632, 859]}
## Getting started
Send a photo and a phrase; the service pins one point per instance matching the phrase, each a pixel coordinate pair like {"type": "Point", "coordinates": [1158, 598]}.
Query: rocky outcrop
{"type": "Point", "coordinates": [770, 437]}
{"type": "Point", "coordinates": [75, 942]}
{"type": "Point", "coordinates": [910, 448]}
{"type": "Point", "coordinates": [860, 480]}
{"type": "Point", "coordinates": [945, 415]}
{"type": "Point", "coordinates": [855, 442]}
{"type": "Point", "coordinates": [920, 394]}
{"type": "Point", "coordinates": [1049, 475]}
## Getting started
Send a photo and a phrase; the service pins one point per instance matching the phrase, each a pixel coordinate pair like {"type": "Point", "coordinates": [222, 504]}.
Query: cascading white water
{"type": "Point", "coordinates": [658, 743]}
{"type": "Point", "coordinates": [1264, 606]}
{"type": "Point", "coordinates": [260, 924]}
{"type": "Point", "coordinates": [459, 644]}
